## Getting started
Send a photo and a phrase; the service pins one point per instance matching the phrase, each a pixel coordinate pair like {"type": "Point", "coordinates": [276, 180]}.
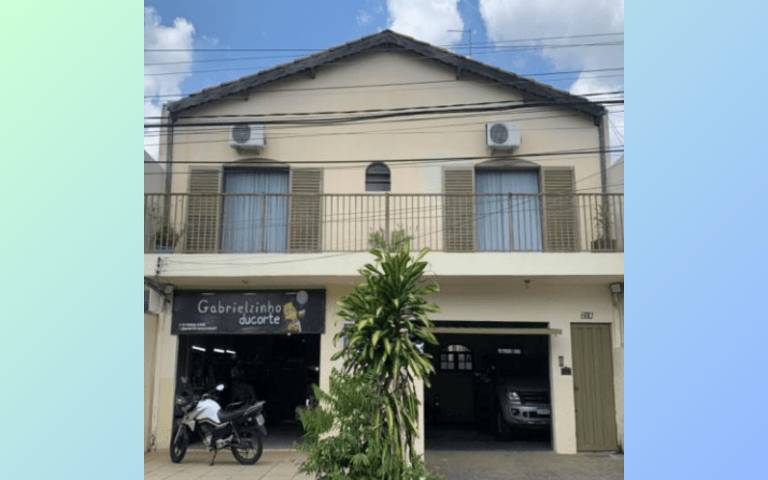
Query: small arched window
{"type": "Point", "coordinates": [456, 357]}
{"type": "Point", "coordinates": [377, 178]}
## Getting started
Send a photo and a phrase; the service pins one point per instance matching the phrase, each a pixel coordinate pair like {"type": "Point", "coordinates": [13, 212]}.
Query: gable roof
{"type": "Point", "coordinates": [387, 38]}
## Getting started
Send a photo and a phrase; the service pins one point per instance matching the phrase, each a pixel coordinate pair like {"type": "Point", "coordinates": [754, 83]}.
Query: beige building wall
{"type": "Point", "coordinates": [150, 341]}
{"type": "Point", "coordinates": [164, 383]}
{"type": "Point", "coordinates": [559, 303]}
{"type": "Point", "coordinates": [544, 129]}
{"type": "Point", "coordinates": [555, 301]}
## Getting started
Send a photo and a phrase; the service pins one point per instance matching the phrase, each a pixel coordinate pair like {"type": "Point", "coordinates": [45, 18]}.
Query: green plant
{"type": "Point", "coordinates": [341, 440]}
{"type": "Point", "coordinates": [604, 224]}
{"type": "Point", "coordinates": [603, 220]}
{"type": "Point", "coordinates": [165, 237]}
{"type": "Point", "coordinates": [366, 425]}
{"type": "Point", "coordinates": [388, 316]}
{"type": "Point", "coordinates": [397, 239]}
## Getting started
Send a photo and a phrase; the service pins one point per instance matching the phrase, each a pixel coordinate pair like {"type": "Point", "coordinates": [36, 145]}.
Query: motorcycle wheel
{"type": "Point", "coordinates": [248, 455]}
{"type": "Point", "coordinates": [179, 444]}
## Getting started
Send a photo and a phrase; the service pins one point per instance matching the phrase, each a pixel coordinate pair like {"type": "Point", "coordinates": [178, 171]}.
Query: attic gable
{"type": "Point", "coordinates": [387, 40]}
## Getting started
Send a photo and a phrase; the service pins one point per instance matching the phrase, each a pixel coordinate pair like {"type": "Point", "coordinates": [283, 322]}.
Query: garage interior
{"type": "Point", "coordinates": [279, 369]}
{"type": "Point", "coordinates": [474, 375]}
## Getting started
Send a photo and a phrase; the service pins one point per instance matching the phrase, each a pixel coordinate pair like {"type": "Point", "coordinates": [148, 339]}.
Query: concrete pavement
{"type": "Point", "coordinates": [452, 464]}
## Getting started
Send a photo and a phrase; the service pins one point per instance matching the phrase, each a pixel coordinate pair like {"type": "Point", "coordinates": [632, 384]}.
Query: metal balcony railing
{"type": "Point", "coordinates": [252, 223]}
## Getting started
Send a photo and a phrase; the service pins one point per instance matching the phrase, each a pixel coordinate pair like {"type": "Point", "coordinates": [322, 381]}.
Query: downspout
{"type": "Point", "coordinates": [169, 155]}
{"type": "Point", "coordinates": [604, 205]}
{"type": "Point", "coordinates": [168, 169]}
{"type": "Point", "coordinates": [600, 122]}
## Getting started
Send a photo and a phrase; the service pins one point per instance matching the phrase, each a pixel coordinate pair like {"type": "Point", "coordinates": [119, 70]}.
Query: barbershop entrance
{"type": "Point", "coordinates": [261, 345]}
{"type": "Point", "coordinates": [279, 369]}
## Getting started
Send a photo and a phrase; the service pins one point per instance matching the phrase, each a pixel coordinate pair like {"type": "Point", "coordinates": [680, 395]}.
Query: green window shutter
{"type": "Point", "coordinates": [306, 210]}
{"type": "Point", "coordinates": [459, 210]}
{"type": "Point", "coordinates": [203, 211]}
{"type": "Point", "coordinates": [560, 212]}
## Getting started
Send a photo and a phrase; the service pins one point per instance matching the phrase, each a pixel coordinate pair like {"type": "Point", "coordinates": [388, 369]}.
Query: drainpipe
{"type": "Point", "coordinates": [169, 153]}
{"type": "Point", "coordinates": [168, 167]}
{"type": "Point", "coordinates": [600, 122]}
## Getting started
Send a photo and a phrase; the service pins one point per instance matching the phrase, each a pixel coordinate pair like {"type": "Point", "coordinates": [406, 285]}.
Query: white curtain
{"type": "Point", "coordinates": [507, 222]}
{"type": "Point", "coordinates": [256, 222]}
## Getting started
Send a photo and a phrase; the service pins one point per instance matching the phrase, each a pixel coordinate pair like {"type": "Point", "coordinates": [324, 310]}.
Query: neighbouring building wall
{"type": "Point", "coordinates": [154, 176]}
{"type": "Point", "coordinates": [150, 341]}
{"type": "Point", "coordinates": [615, 176]}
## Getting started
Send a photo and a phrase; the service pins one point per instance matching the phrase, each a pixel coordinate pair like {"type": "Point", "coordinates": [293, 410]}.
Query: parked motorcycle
{"type": "Point", "coordinates": [238, 427]}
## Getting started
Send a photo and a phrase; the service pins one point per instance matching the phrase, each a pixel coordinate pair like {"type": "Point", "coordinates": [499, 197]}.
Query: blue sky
{"type": "Point", "coordinates": [496, 26]}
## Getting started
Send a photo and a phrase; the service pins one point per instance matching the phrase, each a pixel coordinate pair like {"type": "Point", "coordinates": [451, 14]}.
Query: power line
{"type": "Point", "coordinates": [263, 161]}
{"type": "Point", "coordinates": [454, 83]}
{"type": "Point", "coordinates": [357, 165]}
{"type": "Point", "coordinates": [489, 50]}
{"type": "Point", "coordinates": [230, 49]}
{"type": "Point", "coordinates": [385, 113]}
{"type": "Point", "coordinates": [403, 108]}
{"type": "Point", "coordinates": [414, 57]}
{"type": "Point", "coordinates": [519, 116]}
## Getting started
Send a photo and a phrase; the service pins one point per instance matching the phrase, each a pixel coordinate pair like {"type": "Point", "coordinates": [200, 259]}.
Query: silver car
{"type": "Point", "coordinates": [523, 403]}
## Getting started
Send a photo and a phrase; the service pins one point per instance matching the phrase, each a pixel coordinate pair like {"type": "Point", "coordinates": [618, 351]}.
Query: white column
{"type": "Point", "coordinates": [563, 403]}
{"type": "Point", "coordinates": [165, 380]}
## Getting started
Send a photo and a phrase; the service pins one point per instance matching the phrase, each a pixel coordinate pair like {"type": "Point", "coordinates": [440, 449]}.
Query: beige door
{"type": "Point", "coordinates": [593, 386]}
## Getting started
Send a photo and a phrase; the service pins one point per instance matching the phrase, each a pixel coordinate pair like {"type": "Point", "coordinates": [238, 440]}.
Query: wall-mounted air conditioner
{"type": "Point", "coordinates": [502, 135]}
{"type": "Point", "coordinates": [247, 136]}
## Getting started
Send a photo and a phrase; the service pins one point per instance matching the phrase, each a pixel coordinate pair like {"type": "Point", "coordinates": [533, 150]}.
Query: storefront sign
{"type": "Point", "coordinates": [252, 312]}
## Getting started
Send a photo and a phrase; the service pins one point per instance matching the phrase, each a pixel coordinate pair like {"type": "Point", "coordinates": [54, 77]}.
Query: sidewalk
{"type": "Point", "coordinates": [273, 465]}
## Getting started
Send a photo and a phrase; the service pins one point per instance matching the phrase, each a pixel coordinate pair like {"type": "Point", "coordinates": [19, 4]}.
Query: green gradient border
{"type": "Point", "coordinates": [70, 374]}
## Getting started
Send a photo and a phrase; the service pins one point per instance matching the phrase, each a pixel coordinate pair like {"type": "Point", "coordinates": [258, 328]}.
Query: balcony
{"type": "Point", "coordinates": [312, 223]}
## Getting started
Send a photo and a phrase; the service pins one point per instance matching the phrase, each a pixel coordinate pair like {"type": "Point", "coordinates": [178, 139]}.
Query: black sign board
{"type": "Point", "coordinates": [249, 312]}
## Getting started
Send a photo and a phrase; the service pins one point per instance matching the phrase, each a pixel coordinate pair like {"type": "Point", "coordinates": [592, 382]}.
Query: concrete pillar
{"type": "Point", "coordinates": [150, 342]}
{"type": "Point", "coordinates": [332, 326]}
{"type": "Point", "coordinates": [561, 387]}
{"type": "Point", "coordinates": [420, 442]}
{"type": "Point", "coordinates": [618, 365]}
{"type": "Point", "coordinates": [165, 381]}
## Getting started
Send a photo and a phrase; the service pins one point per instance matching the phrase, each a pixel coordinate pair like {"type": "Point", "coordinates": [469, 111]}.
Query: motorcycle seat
{"type": "Point", "coordinates": [227, 415]}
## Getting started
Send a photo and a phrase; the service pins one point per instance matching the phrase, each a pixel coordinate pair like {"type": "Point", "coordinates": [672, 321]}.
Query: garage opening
{"type": "Point", "coordinates": [277, 368]}
{"type": "Point", "coordinates": [489, 391]}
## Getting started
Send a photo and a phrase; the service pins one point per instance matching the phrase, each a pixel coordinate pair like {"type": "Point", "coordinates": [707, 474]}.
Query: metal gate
{"type": "Point", "coordinates": [593, 386]}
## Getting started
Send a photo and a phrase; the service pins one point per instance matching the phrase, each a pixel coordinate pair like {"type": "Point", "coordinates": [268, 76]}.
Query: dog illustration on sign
{"type": "Point", "coordinates": [294, 315]}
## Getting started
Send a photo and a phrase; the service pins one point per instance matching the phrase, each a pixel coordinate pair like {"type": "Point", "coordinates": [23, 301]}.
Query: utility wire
{"type": "Point", "coordinates": [414, 57]}
{"type": "Point", "coordinates": [396, 109]}
{"type": "Point", "coordinates": [403, 112]}
{"type": "Point", "coordinates": [488, 50]}
{"type": "Point", "coordinates": [263, 161]}
{"type": "Point", "coordinates": [520, 116]}
{"type": "Point", "coordinates": [452, 82]}
{"type": "Point", "coordinates": [357, 166]}
{"type": "Point", "coordinates": [499, 42]}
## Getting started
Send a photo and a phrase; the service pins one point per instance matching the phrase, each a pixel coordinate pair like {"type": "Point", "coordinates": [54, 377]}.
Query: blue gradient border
{"type": "Point", "coordinates": [696, 328]}
{"type": "Point", "coordinates": [71, 359]}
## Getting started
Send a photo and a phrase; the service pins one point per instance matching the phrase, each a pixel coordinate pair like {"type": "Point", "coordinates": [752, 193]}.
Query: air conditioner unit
{"type": "Point", "coordinates": [247, 136]}
{"type": "Point", "coordinates": [502, 135]}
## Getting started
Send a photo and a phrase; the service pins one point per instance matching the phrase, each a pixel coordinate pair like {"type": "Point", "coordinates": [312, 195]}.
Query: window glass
{"type": "Point", "coordinates": [377, 178]}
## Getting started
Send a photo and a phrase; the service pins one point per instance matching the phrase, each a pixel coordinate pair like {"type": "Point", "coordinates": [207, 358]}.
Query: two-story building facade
{"type": "Point", "coordinates": [278, 182]}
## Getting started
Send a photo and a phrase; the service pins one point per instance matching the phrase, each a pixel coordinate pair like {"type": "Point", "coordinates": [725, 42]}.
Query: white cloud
{"type": "Point", "coordinates": [179, 35]}
{"type": "Point", "coordinates": [363, 18]}
{"type": "Point", "coordinates": [518, 19]}
{"type": "Point", "coordinates": [427, 20]}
